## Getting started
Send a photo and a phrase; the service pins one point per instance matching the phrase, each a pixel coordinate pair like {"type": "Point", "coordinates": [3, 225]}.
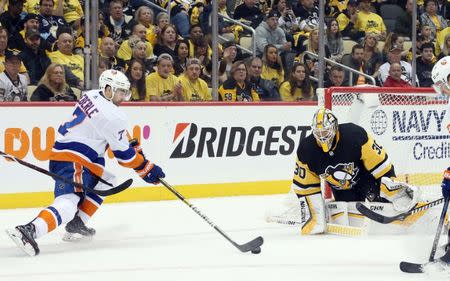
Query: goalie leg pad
{"type": "Point", "coordinates": [338, 213]}
{"type": "Point", "coordinates": [402, 196]}
{"type": "Point", "coordinates": [312, 214]}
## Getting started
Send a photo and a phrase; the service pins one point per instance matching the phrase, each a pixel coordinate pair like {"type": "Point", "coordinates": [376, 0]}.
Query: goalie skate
{"type": "Point", "coordinates": [23, 236]}
{"type": "Point", "coordinates": [77, 231]}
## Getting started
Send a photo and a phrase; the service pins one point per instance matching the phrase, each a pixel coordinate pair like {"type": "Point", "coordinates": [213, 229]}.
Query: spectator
{"type": "Point", "coordinates": [237, 88]}
{"type": "Point", "coordinates": [431, 18]}
{"type": "Point", "coordinates": [287, 21]}
{"type": "Point", "coordinates": [266, 89]}
{"type": "Point", "coordinates": [229, 57]}
{"type": "Point", "coordinates": [11, 18]}
{"type": "Point", "coordinates": [425, 64]}
{"type": "Point", "coordinates": [162, 19]}
{"type": "Point", "coordinates": [308, 13]}
{"type": "Point", "coordinates": [31, 21]}
{"type": "Point", "coordinates": [71, 10]}
{"type": "Point", "coordinates": [139, 53]}
{"type": "Point", "coordinates": [162, 85]}
{"type": "Point", "coordinates": [272, 66]}
{"type": "Point", "coordinates": [356, 62]}
{"type": "Point", "coordinates": [392, 39]}
{"type": "Point", "coordinates": [372, 57]}
{"type": "Point", "coordinates": [167, 41]}
{"type": "Point", "coordinates": [394, 78]}
{"type": "Point", "coordinates": [140, 31]}
{"type": "Point", "coordinates": [108, 52]}
{"type": "Point", "coordinates": [336, 77]}
{"type": "Point", "coordinates": [3, 47]}
{"type": "Point", "coordinates": [179, 16]}
{"type": "Point", "coordinates": [249, 13]}
{"type": "Point", "coordinates": [193, 87]}
{"type": "Point", "coordinates": [53, 86]}
{"type": "Point", "coordinates": [268, 32]}
{"type": "Point", "coordinates": [201, 51]}
{"type": "Point", "coordinates": [117, 22]}
{"type": "Point", "coordinates": [135, 74]}
{"type": "Point", "coordinates": [394, 56]}
{"type": "Point", "coordinates": [368, 21]}
{"type": "Point", "coordinates": [182, 51]}
{"type": "Point", "coordinates": [426, 32]}
{"type": "Point", "coordinates": [347, 20]}
{"type": "Point", "coordinates": [445, 48]}
{"type": "Point", "coordinates": [144, 15]}
{"type": "Point", "coordinates": [34, 58]}
{"type": "Point", "coordinates": [403, 23]}
{"type": "Point", "coordinates": [313, 46]}
{"type": "Point", "coordinates": [195, 36]}
{"type": "Point", "coordinates": [334, 41]}
{"type": "Point", "coordinates": [103, 64]}
{"type": "Point", "coordinates": [13, 85]}
{"type": "Point", "coordinates": [49, 23]}
{"type": "Point", "coordinates": [298, 87]}
{"type": "Point", "coordinates": [64, 55]}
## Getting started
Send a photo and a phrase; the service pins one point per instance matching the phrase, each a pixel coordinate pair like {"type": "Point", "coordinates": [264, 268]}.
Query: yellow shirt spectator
{"type": "Point", "coordinates": [125, 51]}
{"type": "Point", "coordinates": [370, 23]}
{"type": "Point", "coordinates": [72, 10]}
{"type": "Point", "coordinates": [73, 62]}
{"type": "Point", "coordinates": [22, 69]}
{"type": "Point", "coordinates": [160, 87]}
{"type": "Point", "coordinates": [195, 91]}
{"type": "Point", "coordinates": [31, 6]}
{"type": "Point", "coordinates": [272, 74]}
{"type": "Point", "coordinates": [285, 93]}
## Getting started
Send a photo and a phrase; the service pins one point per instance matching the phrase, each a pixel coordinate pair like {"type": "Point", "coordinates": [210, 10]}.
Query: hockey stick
{"type": "Point", "coordinates": [253, 245]}
{"type": "Point", "coordinates": [113, 190]}
{"type": "Point", "coordinates": [332, 228]}
{"type": "Point", "coordinates": [418, 267]}
{"type": "Point", "coordinates": [385, 219]}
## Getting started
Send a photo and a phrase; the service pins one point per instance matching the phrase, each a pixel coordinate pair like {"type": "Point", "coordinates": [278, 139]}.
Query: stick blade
{"type": "Point", "coordinates": [410, 267]}
{"type": "Point", "coordinates": [249, 246]}
{"type": "Point", "coordinates": [121, 187]}
{"type": "Point", "coordinates": [373, 215]}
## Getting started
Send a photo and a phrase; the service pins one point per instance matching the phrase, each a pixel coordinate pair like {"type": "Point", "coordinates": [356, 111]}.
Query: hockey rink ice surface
{"type": "Point", "coordinates": [166, 240]}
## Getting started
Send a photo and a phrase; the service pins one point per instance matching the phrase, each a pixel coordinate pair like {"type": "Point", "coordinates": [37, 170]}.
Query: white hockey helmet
{"type": "Point", "coordinates": [440, 74]}
{"type": "Point", "coordinates": [324, 128]}
{"type": "Point", "coordinates": [117, 81]}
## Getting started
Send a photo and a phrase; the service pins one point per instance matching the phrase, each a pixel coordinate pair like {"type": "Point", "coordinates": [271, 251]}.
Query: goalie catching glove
{"type": "Point", "coordinates": [148, 171]}
{"type": "Point", "coordinates": [402, 196]}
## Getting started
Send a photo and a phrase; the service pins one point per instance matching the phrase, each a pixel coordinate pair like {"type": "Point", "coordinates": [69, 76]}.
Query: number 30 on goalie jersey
{"type": "Point", "coordinates": [353, 168]}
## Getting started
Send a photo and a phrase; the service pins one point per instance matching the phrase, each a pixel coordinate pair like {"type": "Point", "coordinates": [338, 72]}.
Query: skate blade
{"type": "Point", "coordinates": [16, 236]}
{"type": "Point", "coordinates": [75, 237]}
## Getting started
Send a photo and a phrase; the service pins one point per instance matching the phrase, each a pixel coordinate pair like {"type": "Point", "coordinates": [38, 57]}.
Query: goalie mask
{"type": "Point", "coordinates": [118, 82]}
{"type": "Point", "coordinates": [440, 75]}
{"type": "Point", "coordinates": [324, 128]}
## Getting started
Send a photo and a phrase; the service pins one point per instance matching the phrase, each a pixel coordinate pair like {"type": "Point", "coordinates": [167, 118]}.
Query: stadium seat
{"type": "Point", "coordinates": [407, 45]}
{"type": "Point", "coordinates": [348, 45]}
{"type": "Point", "coordinates": [246, 42]}
{"type": "Point", "coordinates": [30, 90]}
{"type": "Point", "coordinates": [389, 13]}
{"type": "Point", "coordinates": [380, 46]}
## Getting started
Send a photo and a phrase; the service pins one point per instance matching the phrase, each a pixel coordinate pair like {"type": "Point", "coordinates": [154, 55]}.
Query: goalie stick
{"type": "Point", "coordinates": [115, 189]}
{"type": "Point", "coordinates": [410, 267]}
{"type": "Point", "coordinates": [385, 219]}
{"type": "Point", "coordinates": [254, 244]}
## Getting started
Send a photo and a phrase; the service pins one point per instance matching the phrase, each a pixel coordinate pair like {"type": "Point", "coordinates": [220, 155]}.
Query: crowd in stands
{"type": "Point", "coordinates": [168, 56]}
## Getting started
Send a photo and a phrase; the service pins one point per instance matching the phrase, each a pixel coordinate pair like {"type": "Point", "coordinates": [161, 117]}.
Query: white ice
{"type": "Point", "coordinates": [168, 241]}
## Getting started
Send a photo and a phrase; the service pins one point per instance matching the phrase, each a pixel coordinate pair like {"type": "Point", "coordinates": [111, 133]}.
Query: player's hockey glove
{"type": "Point", "coordinates": [134, 143]}
{"type": "Point", "coordinates": [150, 172]}
{"type": "Point", "coordinates": [446, 183]}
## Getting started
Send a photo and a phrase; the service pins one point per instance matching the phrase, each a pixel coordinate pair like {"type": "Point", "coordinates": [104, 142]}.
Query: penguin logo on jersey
{"type": "Point", "coordinates": [341, 176]}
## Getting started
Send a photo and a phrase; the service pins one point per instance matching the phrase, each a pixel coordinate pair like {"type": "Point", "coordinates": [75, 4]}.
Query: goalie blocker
{"type": "Point", "coordinates": [353, 165]}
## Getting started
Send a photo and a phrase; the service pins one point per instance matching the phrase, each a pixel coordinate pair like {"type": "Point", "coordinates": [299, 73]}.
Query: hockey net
{"type": "Point", "coordinates": [410, 123]}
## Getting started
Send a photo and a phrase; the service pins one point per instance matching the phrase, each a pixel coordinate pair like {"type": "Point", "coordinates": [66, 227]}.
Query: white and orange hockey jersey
{"type": "Point", "coordinates": [96, 125]}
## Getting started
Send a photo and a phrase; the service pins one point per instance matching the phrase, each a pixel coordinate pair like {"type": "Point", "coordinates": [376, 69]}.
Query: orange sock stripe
{"type": "Point", "coordinates": [77, 175]}
{"type": "Point", "coordinates": [49, 218]}
{"type": "Point", "coordinates": [88, 208]}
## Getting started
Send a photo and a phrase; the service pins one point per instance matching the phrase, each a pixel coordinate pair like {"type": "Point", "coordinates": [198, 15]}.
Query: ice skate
{"type": "Point", "coordinates": [23, 236]}
{"type": "Point", "coordinates": [76, 231]}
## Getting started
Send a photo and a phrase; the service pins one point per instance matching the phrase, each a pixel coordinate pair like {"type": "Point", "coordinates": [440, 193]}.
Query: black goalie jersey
{"type": "Point", "coordinates": [353, 167]}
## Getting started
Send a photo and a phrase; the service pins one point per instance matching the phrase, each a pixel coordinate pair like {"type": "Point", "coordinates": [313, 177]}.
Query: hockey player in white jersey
{"type": "Point", "coordinates": [78, 155]}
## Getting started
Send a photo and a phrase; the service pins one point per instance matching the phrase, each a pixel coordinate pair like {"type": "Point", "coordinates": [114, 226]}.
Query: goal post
{"type": "Point", "coordinates": [411, 123]}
